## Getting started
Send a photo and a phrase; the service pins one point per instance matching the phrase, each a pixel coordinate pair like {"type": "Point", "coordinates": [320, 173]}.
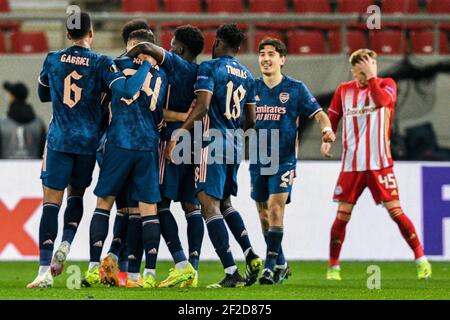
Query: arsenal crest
{"type": "Point", "coordinates": [284, 97]}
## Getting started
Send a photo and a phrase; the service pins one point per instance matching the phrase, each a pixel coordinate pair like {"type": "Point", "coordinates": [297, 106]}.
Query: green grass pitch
{"type": "Point", "coordinates": [398, 281]}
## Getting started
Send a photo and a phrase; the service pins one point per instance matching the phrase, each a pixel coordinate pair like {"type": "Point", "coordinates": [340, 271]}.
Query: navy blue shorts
{"type": "Point", "coordinates": [124, 198]}
{"type": "Point", "coordinates": [177, 182]}
{"type": "Point", "coordinates": [60, 169]}
{"type": "Point", "coordinates": [217, 180]}
{"type": "Point", "coordinates": [135, 170]}
{"type": "Point", "coordinates": [264, 186]}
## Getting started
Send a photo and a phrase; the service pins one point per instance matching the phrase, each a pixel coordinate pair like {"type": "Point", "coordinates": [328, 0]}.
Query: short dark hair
{"type": "Point", "coordinates": [231, 35]}
{"type": "Point", "coordinates": [131, 26]}
{"type": "Point", "coordinates": [84, 28]}
{"type": "Point", "coordinates": [279, 45]}
{"type": "Point", "coordinates": [191, 37]}
{"type": "Point", "coordinates": [142, 35]}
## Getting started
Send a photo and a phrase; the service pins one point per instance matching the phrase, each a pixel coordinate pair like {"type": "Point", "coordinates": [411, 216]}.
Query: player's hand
{"type": "Point", "coordinates": [328, 136]}
{"type": "Point", "coordinates": [369, 67]}
{"type": "Point", "coordinates": [169, 150]}
{"type": "Point", "coordinates": [325, 149]}
{"type": "Point", "coordinates": [149, 59]}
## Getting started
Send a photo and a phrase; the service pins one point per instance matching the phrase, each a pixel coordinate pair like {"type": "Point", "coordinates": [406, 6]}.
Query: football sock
{"type": "Point", "coordinates": [119, 232]}
{"type": "Point", "coordinates": [274, 238]}
{"type": "Point", "coordinates": [134, 243]}
{"type": "Point", "coordinates": [48, 229]}
{"type": "Point", "coordinates": [237, 227]}
{"type": "Point", "coordinates": [93, 265]}
{"type": "Point", "coordinates": [195, 232]}
{"type": "Point", "coordinates": [230, 270]}
{"type": "Point", "coordinates": [407, 230]}
{"type": "Point", "coordinates": [123, 258]}
{"type": "Point", "coordinates": [338, 236]}
{"type": "Point", "coordinates": [281, 260]}
{"type": "Point", "coordinates": [151, 233]}
{"type": "Point", "coordinates": [43, 270]}
{"type": "Point", "coordinates": [72, 217]}
{"type": "Point", "coordinates": [151, 272]}
{"type": "Point", "coordinates": [219, 237]}
{"type": "Point", "coordinates": [169, 231]}
{"type": "Point", "coordinates": [97, 233]}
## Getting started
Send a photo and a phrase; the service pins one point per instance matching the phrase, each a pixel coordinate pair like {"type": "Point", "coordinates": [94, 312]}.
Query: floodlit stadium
{"type": "Point", "coordinates": [224, 150]}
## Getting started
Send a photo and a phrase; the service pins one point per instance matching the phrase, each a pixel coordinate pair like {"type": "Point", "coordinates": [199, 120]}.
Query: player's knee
{"type": "Point", "coordinates": [343, 215]}
{"type": "Point", "coordinates": [79, 192]}
{"type": "Point", "coordinates": [264, 218]}
{"type": "Point", "coordinates": [395, 212]}
{"type": "Point", "coordinates": [189, 207]}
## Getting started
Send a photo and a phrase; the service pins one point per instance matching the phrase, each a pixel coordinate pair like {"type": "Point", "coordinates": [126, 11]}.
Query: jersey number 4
{"type": "Point", "coordinates": [154, 93]}
{"type": "Point", "coordinates": [237, 95]}
{"type": "Point", "coordinates": [71, 88]}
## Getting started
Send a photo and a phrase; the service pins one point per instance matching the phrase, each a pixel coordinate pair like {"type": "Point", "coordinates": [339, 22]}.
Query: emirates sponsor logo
{"type": "Point", "coordinates": [284, 97]}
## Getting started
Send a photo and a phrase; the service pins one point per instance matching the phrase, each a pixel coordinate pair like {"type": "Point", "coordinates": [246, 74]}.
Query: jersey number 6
{"type": "Point", "coordinates": [70, 87]}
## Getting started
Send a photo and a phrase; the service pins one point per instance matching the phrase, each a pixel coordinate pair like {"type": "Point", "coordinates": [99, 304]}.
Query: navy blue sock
{"type": "Point", "coordinates": [219, 237]}
{"type": "Point", "coordinates": [281, 260]}
{"type": "Point", "coordinates": [169, 231]}
{"type": "Point", "coordinates": [151, 234]}
{"type": "Point", "coordinates": [237, 227]}
{"type": "Point", "coordinates": [274, 237]}
{"type": "Point", "coordinates": [134, 243]}
{"type": "Point", "coordinates": [48, 229]}
{"type": "Point", "coordinates": [97, 233]}
{"type": "Point", "coordinates": [123, 258]}
{"type": "Point", "coordinates": [195, 232]}
{"type": "Point", "coordinates": [119, 232]}
{"type": "Point", "coordinates": [72, 217]}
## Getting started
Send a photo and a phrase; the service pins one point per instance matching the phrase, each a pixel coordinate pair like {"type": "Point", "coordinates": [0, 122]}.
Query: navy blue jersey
{"type": "Point", "coordinates": [232, 86]}
{"type": "Point", "coordinates": [135, 123]}
{"type": "Point", "coordinates": [182, 75]}
{"type": "Point", "coordinates": [77, 77]}
{"type": "Point", "coordinates": [280, 108]}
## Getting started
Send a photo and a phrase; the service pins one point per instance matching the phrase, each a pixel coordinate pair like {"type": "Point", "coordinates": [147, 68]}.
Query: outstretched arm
{"type": "Point", "coordinates": [127, 88]}
{"type": "Point", "coordinates": [148, 48]}
{"type": "Point", "coordinates": [174, 116]}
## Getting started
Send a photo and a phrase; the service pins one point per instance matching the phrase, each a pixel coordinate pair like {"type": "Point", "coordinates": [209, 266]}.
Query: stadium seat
{"type": "Point", "coordinates": [352, 6]}
{"type": "Point", "coordinates": [8, 25]}
{"type": "Point", "coordinates": [423, 42]}
{"type": "Point", "coordinates": [306, 42]}
{"type": "Point", "coordinates": [438, 6]}
{"type": "Point", "coordinates": [182, 6]}
{"type": "Point", "coordinates": [355, 40]}
{"type": "Point", "coordinates": [308, 6]}
{"type": "Point", "coordinates": [388, 42]}
{"type": "Point", "coordinates": [268, 6]}
{"type": "Point", "coordinates": [2, 43]}
{"type": "Point", "coordinates": [140, 6]}
{"type": "Point", "coordinates": [29, 42]}
{"type": "Point", "coordinates": [210, 36]}
{"type": "Point", "coordinates": [400, 6]}
{"type": "Point", "coordinates": [217, 6]}
{"type": "Point", "coordinates": [260, 35]}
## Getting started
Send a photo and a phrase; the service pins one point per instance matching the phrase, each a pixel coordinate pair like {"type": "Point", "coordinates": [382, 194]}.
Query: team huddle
{"type": "Point", "coordinates": [133, 114]}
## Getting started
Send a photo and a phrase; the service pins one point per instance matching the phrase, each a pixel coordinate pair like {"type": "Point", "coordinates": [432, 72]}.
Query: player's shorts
{"type": "Point", "coordinates": [177, 181]}
{"type": "Point", "coordinates": [124, 198]}
{"type": "Point", "coordinates": [60, 169]}
{"type": "Point", "coordinates": [262, 186]}
{"type": "Point", "coordinates": [381, 183]}
{"type": "Point", "coordinates": [137, 170]}
{"type": "Point", "coordinates": [217, 180]}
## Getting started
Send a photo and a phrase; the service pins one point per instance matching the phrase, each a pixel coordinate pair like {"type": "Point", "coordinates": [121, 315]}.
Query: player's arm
{"type": "Point", "coordinates": [250, 116]}
{"type": "Point", "coordinates": [383, 94]}
{"type": "Point", "coordinates": [174, 116]}
{"type": "Point", "coordinates": [127, 88]}
{"type": "Point", "coordinates": [151, 49]}
{"type": "Point", "coordinates": [334, 116]}
{"type": "Point", "coordinates": [44, 84]}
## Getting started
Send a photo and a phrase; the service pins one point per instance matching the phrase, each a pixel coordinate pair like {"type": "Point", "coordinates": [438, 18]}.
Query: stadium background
{"type": "Point", "coordinates": [420, 33]}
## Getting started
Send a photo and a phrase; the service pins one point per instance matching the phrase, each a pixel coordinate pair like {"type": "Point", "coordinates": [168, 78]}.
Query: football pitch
{"type": "Point", "coordinates": [397, 281]}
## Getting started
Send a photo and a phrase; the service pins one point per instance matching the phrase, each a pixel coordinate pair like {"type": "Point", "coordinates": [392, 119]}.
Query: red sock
{"type": "Point", "coordinates": [337, 237]}
{"type": "Point", "coordinates": [408, 231]}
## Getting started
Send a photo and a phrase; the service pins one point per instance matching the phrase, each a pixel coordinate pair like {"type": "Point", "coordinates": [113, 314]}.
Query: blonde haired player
{"type": "Point", "coordinates": [366, 105]}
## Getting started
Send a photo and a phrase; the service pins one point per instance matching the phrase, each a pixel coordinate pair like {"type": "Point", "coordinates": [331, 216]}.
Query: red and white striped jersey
{"type": "Point", "coordinates": [367, 114]}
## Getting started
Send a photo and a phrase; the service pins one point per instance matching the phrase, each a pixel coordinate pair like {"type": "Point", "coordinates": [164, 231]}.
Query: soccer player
{"type": "Point", "coordinates": [366, 105]}
{"type": "Point", "coordinates": [131, 159]}
{"type": "Point", "coordinates": [73, 79]}
{"type": "Point", "coordinates": [177, 181]}
{"type": "Point", "coordinates": [218, 79]}
{"type": "Point", "coordinates": [280, 102]}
